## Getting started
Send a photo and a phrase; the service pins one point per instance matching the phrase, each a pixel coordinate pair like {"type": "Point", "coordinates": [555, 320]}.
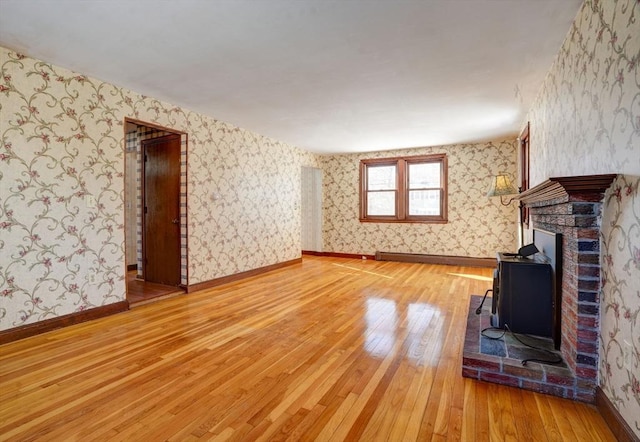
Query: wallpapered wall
{"type": "Point", "coordinates": [585, 121]}
{"type": "Point", "coordinates": [63, 139]}
{"type": "Point", "coordinates": [477, 227]}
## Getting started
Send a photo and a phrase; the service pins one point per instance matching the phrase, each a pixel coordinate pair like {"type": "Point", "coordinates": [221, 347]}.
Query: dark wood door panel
{"type": "Point", "coordinates": [161, 237]}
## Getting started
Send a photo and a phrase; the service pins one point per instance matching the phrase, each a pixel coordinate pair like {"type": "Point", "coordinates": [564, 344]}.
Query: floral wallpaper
{"type": "Point", "coordinates": [586, 120]}
{"type": "Point", "coordinates": [62, 205]}
{"type": "Point", "coordinates": [478, 226]}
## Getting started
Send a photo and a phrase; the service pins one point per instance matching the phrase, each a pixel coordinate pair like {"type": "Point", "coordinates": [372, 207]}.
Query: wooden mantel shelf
{"type": "Point", "coordinates": [573, 187]}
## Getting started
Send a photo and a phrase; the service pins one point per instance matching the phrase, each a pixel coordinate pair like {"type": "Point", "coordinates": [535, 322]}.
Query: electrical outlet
{"type": "Point", "coordinates": [626, 355]}
{"type": "Point", "coordinates": [90, 201]}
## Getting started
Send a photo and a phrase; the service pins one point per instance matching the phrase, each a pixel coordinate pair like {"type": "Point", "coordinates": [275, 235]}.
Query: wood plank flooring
{"type": "Point", "coordinates": [142, 292]}
{"type": "Point", "coordinates": [330, 349]}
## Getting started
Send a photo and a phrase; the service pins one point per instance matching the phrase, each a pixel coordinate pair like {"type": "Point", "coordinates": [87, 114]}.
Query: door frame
{"type": "Point", "coordinates": [145, 214]}
{"type": "Point", "coordinates": [183, 195]}
{"type": "Point", "coordinates": [311, 207]}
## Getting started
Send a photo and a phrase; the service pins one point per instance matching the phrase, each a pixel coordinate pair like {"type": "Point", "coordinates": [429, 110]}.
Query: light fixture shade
{"type": "Point", "coordinates": [501, 185]}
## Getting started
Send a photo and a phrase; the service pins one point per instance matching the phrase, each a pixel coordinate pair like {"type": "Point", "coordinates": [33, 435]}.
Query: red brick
{"type": "Point", "coordinates": [591, 271]}
{"type": "Point", "coordinates": [470, 373]}
{"type": "Point", "coordinates": [471, 346]}
{"type": "Point", "coordinates": [588, 245]}
{"type": "Point", "coordinates": [570, 360]}
{"type": "Point", "coordinates": [586, 221]}
{"type": "Point", "coordinates": [586, 384]}
{"type": "Point", "coordinates": [586, 372]}
{"type": "Point", "coordinates": [586, 233]}
{"type": "Point", "coordinates": [584, 209]}
{"type": "Point", "coordinates": [588, 284]}
{"type": "Point", "coordinates": [577, 218]}
{"type": "Point", "coordinates": [556, 379]}
{"type": "Point", "coordinates": [588, 335]}
{"type": "Point", "coordinates": [498, 378]}
{"type": "Point", "coordinates": [587, 359]}
{"type": "Point", "coordinates": [569, 325]}
{"type": "Point", "coordinates": [587, 347]}
{"type": "Point", "coordinates": [588, 297]}
{"type": "Point", "coordinates": [570, 334]}
{"type": "Point", "coordinates": [569, 280]}
{"type": "Point", "coordinates": [569, 298]}
{"type": "Point", "coordinates": [588, 308]}
{"type": "Point", "coordinates": [481, 361]}
{"type": "Point", "coordinates": [567, 345]}
{"type": "Point", "coordinates": [588, 258]}
{"type": "Point", "coordinates": [554, 390]}
{"type": "Point", "coordinates": [523, 372]}
{"type": "Point", "coordinates": [586, 396]}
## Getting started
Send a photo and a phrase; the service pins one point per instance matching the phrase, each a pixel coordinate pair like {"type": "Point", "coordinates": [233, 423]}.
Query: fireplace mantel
{"type": "Point", "coordinates": [573, 188]}
{"type": "Point", "coordinates": [570, 207]}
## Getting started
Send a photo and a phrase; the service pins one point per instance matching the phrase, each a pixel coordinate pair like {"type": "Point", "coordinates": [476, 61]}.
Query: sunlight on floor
{"type": "Point", "coordinates": [363, 271]}
{"type": "Point", "coordinates": [477, 277]}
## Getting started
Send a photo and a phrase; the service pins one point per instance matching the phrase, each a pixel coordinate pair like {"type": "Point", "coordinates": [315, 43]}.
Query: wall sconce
{"type": "Point", "coordinates": [501, 186]}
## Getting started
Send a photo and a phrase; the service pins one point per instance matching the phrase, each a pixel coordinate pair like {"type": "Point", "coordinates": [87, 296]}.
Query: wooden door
{"type": "Point", "coordinates": [161, 210]}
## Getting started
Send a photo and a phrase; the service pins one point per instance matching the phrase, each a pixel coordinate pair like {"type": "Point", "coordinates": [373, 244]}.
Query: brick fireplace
{"type": "Point", "coordinates": [570, 206]}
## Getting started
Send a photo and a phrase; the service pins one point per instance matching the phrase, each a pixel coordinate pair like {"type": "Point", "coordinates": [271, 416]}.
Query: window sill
{"type": "Point", "coordinates": [403, 221]}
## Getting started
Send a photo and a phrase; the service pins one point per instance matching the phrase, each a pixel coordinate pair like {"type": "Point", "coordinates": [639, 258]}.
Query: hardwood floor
{"type": "Point", "coordinates": [330, 349]}
{"type": "Point", "coordinates": [142, 292]}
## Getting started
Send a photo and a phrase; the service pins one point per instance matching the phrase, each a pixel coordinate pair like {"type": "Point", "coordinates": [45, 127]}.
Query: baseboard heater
{"type": "Point", "coordinates": [436, 259]}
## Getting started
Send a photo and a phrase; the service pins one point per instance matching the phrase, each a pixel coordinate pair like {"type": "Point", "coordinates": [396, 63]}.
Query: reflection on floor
{"type": "Point", "coordinates": [140, 292]}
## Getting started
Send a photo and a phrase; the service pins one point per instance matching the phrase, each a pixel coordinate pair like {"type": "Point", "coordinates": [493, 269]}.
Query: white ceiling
{"type": "Point", "coordinates": [328, 76]}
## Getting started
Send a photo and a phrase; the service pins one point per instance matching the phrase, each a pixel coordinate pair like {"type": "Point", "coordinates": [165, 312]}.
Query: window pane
{"type": "Point", "coordinates": [423, 175]}
{"type": "Point", "coordinates": [381, 177]}
{"type": "Point", "coordinates": [424, 202]}
{"type": "Point", "coordinates": [381, 203]}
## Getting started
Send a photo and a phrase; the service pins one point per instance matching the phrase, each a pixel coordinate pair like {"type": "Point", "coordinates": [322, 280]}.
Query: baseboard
{"type": "Point", "coordinates": [339, 255]}
{"type": "Point", "coordinates": [312, 253]}
{"type": "Point", "coordinates": [620, 429]}
{"type": "Point", "coordinates": [437, 259]}
{"type": "Point", "coordinates": [238, 276]}
{"type": "Point", "coordinates": [24, 331]}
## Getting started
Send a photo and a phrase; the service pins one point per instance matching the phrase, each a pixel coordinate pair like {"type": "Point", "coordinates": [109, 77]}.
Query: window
{"type": "Point", "coordinates": [404, 189]}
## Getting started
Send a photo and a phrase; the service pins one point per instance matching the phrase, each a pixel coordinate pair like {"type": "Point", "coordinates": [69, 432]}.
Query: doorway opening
{"type": "Point", "coordinates": [155, 212]}
{"type": "Point", "coordinates": [311, 211]}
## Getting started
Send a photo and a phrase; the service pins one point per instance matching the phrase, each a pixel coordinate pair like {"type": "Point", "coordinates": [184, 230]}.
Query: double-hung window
{"type": "Point", "coordinates": [404, 189]}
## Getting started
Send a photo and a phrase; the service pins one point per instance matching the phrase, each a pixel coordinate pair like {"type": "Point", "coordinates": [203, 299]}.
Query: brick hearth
{"type": "Point", "coordinates": [570, 206]}
{"type": "Point", "coordinates": [481, 360]}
